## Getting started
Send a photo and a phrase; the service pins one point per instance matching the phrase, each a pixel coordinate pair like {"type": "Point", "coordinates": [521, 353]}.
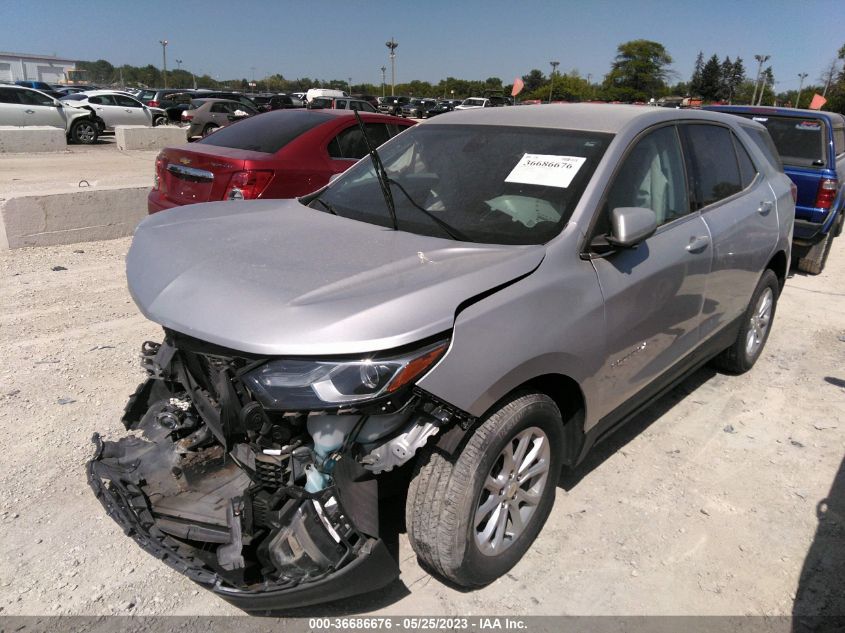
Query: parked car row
{"type": "Point", "coordinates": [21, 106]}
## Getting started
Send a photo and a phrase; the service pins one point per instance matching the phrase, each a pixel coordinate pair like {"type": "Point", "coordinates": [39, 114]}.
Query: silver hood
{"type": "Point", "coordinates": [274, 277]}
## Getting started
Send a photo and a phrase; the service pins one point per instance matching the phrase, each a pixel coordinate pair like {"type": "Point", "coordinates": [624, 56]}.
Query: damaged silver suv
{"type": "Point", "coordinates": [463, 313]}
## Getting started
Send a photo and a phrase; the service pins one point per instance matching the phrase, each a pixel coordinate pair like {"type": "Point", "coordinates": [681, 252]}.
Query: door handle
{"type": "Point", "coordinates": [129, 111]}
{"type": "Point", "coordinates": [765, 207]}
{"type": "Point", "coordinates": [698, 243]}
{"type": "Point", "coordinates": [30, 111]}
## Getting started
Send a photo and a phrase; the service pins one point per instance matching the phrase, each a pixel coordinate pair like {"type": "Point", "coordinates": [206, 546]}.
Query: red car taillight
{"type": "Point", "coordinates": [247, 185]}
{"type": "Point", "coordinates": [158, 175]}
{"type": "Point", "coordinates": [826, 193]}
{"type": "Point", "coordinates": [153, 103]}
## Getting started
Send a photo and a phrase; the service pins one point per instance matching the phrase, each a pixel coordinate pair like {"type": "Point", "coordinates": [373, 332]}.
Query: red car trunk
{"type": "Point", "coordinates": [201, 173]}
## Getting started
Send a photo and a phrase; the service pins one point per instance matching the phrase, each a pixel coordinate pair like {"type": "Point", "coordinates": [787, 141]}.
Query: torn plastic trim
{"type": "Point", "coordinates": [370, 568]}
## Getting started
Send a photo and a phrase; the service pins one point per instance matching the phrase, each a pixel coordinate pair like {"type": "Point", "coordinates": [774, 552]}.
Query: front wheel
{"type": "Point", "coordinates": [471, 518]}
{"type": "Point", "coordinates": [755, 328]}
{"type": "Point", "coordinates": [84, 131]}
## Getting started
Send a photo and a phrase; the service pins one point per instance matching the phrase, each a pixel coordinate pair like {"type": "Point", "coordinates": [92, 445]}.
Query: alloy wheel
{"type": "Point", "coordinates": [759, 323]}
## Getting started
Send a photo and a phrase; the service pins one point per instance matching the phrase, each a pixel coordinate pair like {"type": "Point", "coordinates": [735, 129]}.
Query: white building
{"type": "Point", "coordinates": [18, 66]}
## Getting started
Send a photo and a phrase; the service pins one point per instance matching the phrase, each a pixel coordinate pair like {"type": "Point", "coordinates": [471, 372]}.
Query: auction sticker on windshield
{"type": "Point", "coordinates": [545, 169]}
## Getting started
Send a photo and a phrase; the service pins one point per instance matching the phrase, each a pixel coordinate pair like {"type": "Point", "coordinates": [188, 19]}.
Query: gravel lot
{"type": "Point", "coordinates": [704, 504]}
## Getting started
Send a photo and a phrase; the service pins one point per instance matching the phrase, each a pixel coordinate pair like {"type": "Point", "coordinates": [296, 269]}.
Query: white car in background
{"type": "Point", "coordinates": [113, 108]}
{"type": "Point", "coordinates": [26, 107]}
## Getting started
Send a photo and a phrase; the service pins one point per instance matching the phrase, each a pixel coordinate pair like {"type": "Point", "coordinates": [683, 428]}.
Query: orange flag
{"type": "Point", "coordinates": [817, 102]}
{"type": "Point", "coordinates": [518, 85]}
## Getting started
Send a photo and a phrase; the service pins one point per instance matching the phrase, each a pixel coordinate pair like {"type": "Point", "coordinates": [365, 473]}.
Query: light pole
{"type": "Point", "coordinates": [552, 82]}
{"type": "Point", "coordinates": [761, 59]}
{"type": "Point", "coordinates": [164, 59]}
{"type": "Point", "coordinates": [800, 88]}
{"type": "Point", "coordinates": [392, 44]}
{"type": "Point", "coordinates": [383, 69]}
{"type": "Point", "coordinates": [349, 84]}
{"type": "Point", "coordinates": [179, 64]}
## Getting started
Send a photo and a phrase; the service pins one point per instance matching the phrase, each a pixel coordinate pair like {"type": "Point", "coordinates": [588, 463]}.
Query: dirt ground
{"type": "Point", "coordinates": [707, 503]}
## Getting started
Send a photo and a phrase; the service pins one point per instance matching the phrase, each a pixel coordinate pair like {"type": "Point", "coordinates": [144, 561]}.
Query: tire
{"type": "Point", "coordinates": [84, 132]}
{"type": "Point", "coordinates": [839, 223]}
{"type": "Point", "coordinates": [208, 129]}
{"type": "Point", "coordinates": [755, 328]}
{"type": "Point", "coordinates": [454, 503]}
{"type": "Point", "coordinates": [813, 261]}
{"type": "Point", "coordinates": [160, 120]}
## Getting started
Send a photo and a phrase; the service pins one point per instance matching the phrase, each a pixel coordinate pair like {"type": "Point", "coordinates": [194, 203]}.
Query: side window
{"type": "Point", "coordinates": [30, 97]}
{"type": "Point", "coordinates": [839, 140]}
{"type": "Point", "coordinates": [126, 102]}
{"type": "Point", "coordinates": [765, 144]}
{"type": "Point", "coordinates": [652, 176]}
{"type": "Point", "coordinates": [350, 144]}
{"type": "Point", "coordinates": [711, 163]}
{"type": "Point", "coordinates": [9, 95]}
{"type": "Point", "coordinates": [340, 104]}
{"type": "Point", "coordinates": [747, 170]}
{"type": "Point", "coordinates": [219, 107]}
{"type": "Point", "coordinates": [95, 100]}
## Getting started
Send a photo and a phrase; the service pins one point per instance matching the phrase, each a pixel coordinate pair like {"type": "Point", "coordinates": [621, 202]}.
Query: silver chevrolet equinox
{"type": "Point", "coordinates": [457, 317]}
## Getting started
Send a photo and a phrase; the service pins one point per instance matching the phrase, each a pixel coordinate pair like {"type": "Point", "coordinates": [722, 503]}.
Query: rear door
{"type": "Point", "coordinates": [653, 293]}
{"type": "Point", "coordinates": [740, 211]}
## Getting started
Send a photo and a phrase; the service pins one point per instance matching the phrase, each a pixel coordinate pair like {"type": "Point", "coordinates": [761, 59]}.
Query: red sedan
{"type": "Point", "coordinates": [279, 154]}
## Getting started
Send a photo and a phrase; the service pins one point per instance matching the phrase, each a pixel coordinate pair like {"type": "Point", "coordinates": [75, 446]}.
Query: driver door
{"type": "Point", "coordinates": [654, 293]}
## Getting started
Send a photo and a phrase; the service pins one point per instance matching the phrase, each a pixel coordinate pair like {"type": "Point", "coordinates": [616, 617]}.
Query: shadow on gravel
{"type": "Point", "coordinates": [820, 599]}
{"type": "Point", "coordinates": [633, 427]}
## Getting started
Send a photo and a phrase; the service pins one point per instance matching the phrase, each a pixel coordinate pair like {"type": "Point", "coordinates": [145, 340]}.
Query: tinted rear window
{"type": "Point", "coordinates": [800, 141]}
{"type": "Point", "coordinates": [267, 133]}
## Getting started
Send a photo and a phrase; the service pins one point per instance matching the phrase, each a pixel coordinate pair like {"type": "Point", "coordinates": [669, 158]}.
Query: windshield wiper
{"type": "Point", "coordinates": [326, 205]}
{"type": "Point", "coordinates": [451, 231]}
{"type": "Point", "coordinates": [381, 173]}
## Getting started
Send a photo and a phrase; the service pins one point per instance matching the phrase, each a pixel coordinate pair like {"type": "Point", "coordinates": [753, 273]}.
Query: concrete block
{"type": "Point", "coordinates": [68, 218]}
{"type": "Point", "coordinates": [16, 140]}
{"type": "Point", "coordinates": [140, 137]}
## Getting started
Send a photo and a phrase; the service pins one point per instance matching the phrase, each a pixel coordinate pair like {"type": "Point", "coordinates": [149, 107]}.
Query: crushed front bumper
{"type": "Point", "coordinates": [118, 480]}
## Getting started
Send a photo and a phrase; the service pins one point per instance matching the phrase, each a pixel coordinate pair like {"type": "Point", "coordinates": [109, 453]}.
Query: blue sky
{"type": "Point", "coordinates": [469, 39]}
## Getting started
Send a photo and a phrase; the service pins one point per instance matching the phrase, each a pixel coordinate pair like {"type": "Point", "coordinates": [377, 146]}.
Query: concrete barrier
{"type": "Point", "coordinates": [66, 218]}
{"type": "Point", "coordinates": [16, 140]}
{"type": "Point", "coordinates": [140, 137]}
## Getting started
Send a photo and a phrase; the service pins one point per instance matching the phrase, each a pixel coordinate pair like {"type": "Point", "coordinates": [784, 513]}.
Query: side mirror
{"type": "Point", "coordinates": [630, 226]}
{"type": "Point", "coordinates": [58, 104]}
{"type": "Point", "coordinates": [334, 177]}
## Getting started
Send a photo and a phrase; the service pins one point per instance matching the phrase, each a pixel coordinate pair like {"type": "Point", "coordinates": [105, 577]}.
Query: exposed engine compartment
{"type": "Point", "coordinates": [254, 503]}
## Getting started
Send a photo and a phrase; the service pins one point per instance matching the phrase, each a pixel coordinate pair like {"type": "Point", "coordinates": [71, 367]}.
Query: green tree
{"type": "Point", "coordinates": [533, 80]}
{"type": "Point", "coordinates": [695, 80]}
{"type": "Point", "coordinates": [711, 79]}
{"type": "Point", "coordinates": [639, 71]}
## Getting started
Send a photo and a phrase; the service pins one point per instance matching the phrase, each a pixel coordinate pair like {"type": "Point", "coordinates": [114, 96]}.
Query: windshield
{"type": "Point", "coordinates": [490, 184]}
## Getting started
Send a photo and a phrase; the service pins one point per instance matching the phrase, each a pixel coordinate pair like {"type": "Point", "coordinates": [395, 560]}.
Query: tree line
{"type": "Point", "coordinates": [641, 71]}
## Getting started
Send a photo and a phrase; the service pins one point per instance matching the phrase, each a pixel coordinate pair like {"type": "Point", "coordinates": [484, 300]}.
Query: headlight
{"type": "Point", "coordinates": [310, 384]}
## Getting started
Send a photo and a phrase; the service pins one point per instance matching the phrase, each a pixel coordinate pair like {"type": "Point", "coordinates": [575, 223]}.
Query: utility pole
{"type": "Point", "coordinates": [164, 59]}
{"type": "Point", "coordinates": [392, 44]}
{"type": "Point", "coordinates": [761, 59]}
{"type": "Point", "coordinates": [552, 83]}
{"type": "Point", "coordinates": [383, 69]}
{"type": "Point", "coordinates": [349, 84]}
{"type": "Point", "coordinates": [800, 88]}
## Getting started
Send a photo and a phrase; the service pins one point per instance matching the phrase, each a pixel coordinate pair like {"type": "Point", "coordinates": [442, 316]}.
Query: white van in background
{"type": "Point", "coordinates": [324, 92]}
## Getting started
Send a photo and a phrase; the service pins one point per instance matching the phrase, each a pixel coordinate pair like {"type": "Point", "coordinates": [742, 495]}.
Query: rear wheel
{"type": "Point", "coordinates": [208, 129]}
{"type": "Point", "coordinates": [160, 120]}
{"type": "Point", "coordinates": [814, 259]}
{"type": "Point", "coordinates": [471, 518]}
{"type": "Point", "coordinates": [84, 131]}
{"type": "Point", "coordinates": [754, 331]}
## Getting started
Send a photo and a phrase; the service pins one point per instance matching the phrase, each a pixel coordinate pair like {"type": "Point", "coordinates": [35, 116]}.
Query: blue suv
{"type": "Point", "coordinates": [811, 145]}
